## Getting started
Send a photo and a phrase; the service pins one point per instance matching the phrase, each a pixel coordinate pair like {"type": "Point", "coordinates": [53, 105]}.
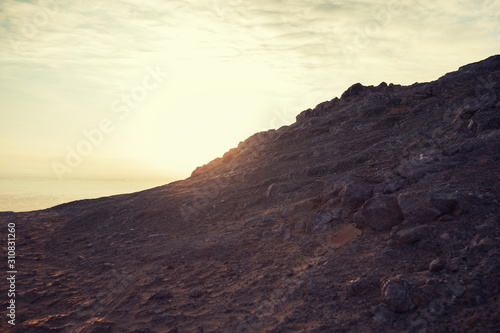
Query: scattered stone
{"type": "Point", "coordinates": [381, 213]}
{"type": "Point", "coordinates": [195, 292]}
{"type": "Point", "coordinates": [287, 234]}
{"type": "Point", "coordinates": [445, 203]}
{"type": "Point", "coordinates": [437, 307]}
{"type": "Point", "coordinates": [340, 214]}
{"type": "Point", "coordinates": [322, 217]}
{"type": "Point", "coordinates": [268, 220]}
{"type": "Point", "coordinates": [382, 315]}
{"type": "Point", "coordinates": [358, 286]}
{"type": "Point", "coordinates": [468, 111]}
{"type": "Point", "coordinates": [418, 326]}
{"type": "Point", "coordinates": [412, 235]}
{"type": "Point", "coordinates": [445, 237]}
{"type": "Point", "coordinates": [384, 258]}
{"type": "Point", "coordinates": [436, 265]}
{"type": "Point", "coordinates": [392, 185]}
{"type": "Point", "coordinates": [251, 222]}
{"type": "Point", "coordinates": [300, 225]}
{"type": "Point", "coordinates": [267, 234]}
{"type": "Point", "coordinates": [454, 265]}
{"type": "Point", "coordinates": [321, 220]}
{"type": "Point", "coordinates": [397, 296]}
{"type": "Point", "coordinates": [162, 295]}
{"type": "Point", "coordinates": [286, 212]}
{"type": "Point", "coordinates": [484, 244]}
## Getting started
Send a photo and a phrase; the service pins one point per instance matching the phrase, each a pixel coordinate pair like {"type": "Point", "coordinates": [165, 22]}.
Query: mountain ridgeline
{"type": "Point", "coordinates": [378, 211]}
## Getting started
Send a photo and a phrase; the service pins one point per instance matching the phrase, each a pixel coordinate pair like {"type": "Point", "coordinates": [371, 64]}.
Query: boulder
{"type": "Point", "coordinates": [357, 287]}
{"type": "Point", "coordinates": [381, 213]}
{"type": "Point", "coordinates": [412, 235]}
{"type": "Point", "coordinates": [416, 207]}
{"type": "Point", "coordinates": [354, 90]}
{"type": "Point", "coordinates": [321, 220]}
{"type": "Point", "coordinates": [354, 195]}
{"type": "Point", "coordinates": [445, 203]}
{"type": "Point", "coordinates": [423, 206]}
{"type": "Point", "coordinates": [436, 265]}
{"type": "Point", "coordinates": [161, 295]}
{"type": "Point", "coordinates": [397, 296]}
{"type": "Point", "coordinates": [195, 292]}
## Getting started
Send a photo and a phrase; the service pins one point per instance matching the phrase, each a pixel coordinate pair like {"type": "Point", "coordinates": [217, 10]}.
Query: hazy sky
{"type": "Point", "coordinates": [162, 86]}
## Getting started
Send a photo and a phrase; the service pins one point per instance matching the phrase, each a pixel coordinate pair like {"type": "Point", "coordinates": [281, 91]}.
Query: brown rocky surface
{"type": "Point", "coordinates": [375, 212]}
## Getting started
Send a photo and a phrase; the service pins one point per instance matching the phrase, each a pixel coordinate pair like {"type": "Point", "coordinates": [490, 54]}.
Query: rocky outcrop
{"type": "Point", "coordinates": [262, 239]}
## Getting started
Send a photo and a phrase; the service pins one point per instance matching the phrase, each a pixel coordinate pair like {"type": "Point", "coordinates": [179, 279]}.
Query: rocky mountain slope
{"type": "Point", "coordinates": [374, 212]}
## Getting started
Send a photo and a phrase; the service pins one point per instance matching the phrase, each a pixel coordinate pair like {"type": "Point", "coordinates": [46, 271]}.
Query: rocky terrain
{"type": "Point", "coordinates": [375, 212]}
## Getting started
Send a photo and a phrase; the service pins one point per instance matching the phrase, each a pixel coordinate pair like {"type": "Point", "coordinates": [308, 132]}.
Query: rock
{"type": "Point", "coordinates": [300, 225]}
{"type": "Point", "coordinates": [412, 235]}
{"type": "Point", "coordinates": [381, 213]}
{"type": "Point", "coordinates": [287, 234]}
{"type": "Point", "coordinates": [108, 265]}
{"type": "Point", "coordinates": [269, 220]}
{"type": "Point", "coordinates": [488, 144]}
{"type": "Point", "coordinates": [445, 203]}
{"type": "Point", "coordinates": [436, 265]}
{"type": "Point", "coordinates": [430, 162]}
{"type": "Point", "coordinates": [322, 217]}
{"type": "Point", "coordinates": [382, 316]}
{"type": "Point", "coordinates": [416, 207]}
{"type": "Point", "coordinates": [162, 295]}
{"type": "Point", "coordinates": [301, 117]}
{"type": "Point", "coordinates": [354, 90]}
{"type": "Point", "coordinates": [484, 244]}
{"type": "Point", "coordinates": [195, 292]}
{"type": "Point", "coordinates": [251, 222]}
{"type": "Point", "coordinates": [286, 212]}
{"type": "Point", "coordinates": [436, 308]}
{"type": "Point", "coordinates": [468, 111]}
{"type": "Point", "coordinates": [418, 326]}
{"type": "Point", "coordinates": [340, 214]}
{"type": "Point", "coordinates": [321, 220]}
{"type": "Point", "coordinates": [397, 296]}
{"type": "Point", "coordinates": [357, 287]}
{"type": "Point", "coordinates": [454, 264]}
{"type": "Point", "coordinates": [390, 186]}
{"type": "Point", "coordinates": [267, 234]}
{"type": "Point", "coordinates": [354, 195]}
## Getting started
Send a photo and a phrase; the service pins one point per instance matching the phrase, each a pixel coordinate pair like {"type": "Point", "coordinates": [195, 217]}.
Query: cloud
{"type": "Point", "coordinates": [63, 63]}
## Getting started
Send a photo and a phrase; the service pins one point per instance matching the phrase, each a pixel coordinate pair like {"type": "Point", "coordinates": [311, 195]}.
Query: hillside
{"type": "Point", "coordinates": [378, 211]}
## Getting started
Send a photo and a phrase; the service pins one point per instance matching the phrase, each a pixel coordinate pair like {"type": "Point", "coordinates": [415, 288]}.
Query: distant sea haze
{"type": "Point", "coordinates": [21, 193]}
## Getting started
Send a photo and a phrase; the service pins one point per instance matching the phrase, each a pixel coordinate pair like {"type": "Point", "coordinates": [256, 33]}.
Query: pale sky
{"type": "Point", "coordinates": [163, 86]}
